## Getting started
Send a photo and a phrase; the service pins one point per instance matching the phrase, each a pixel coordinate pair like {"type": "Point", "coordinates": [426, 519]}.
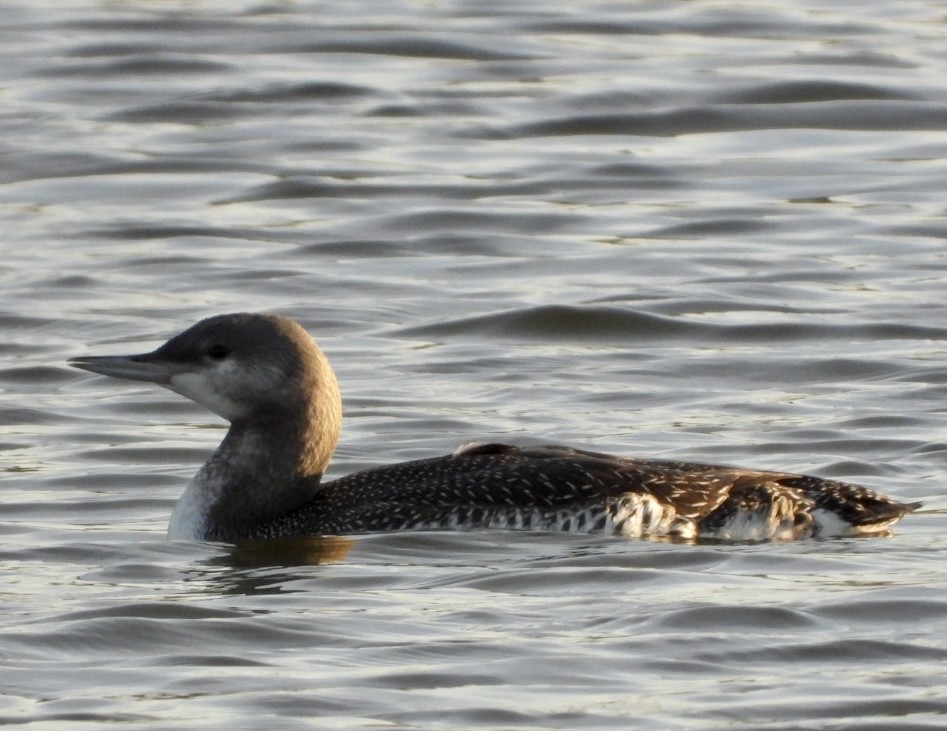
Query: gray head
{"type": "Point", "coordinates": [266, 376]}
{"type": "Point", "coordinates": [240, 366]}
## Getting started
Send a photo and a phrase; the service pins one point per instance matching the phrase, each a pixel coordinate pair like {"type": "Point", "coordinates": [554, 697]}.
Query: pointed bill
{"type": "Point", "coordinates": [145, 367]}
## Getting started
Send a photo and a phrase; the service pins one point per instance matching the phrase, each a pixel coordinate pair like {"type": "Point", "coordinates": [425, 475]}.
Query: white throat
{"type": "Point", "coordinates": [210, 389]}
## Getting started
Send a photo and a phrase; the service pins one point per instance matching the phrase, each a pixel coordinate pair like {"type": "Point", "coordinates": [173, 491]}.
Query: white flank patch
{"type": "Point", "coordinates": [750, 526]}
{"type": "Point", "coordinates": [638, 516]}
{"type": "Point", "coordinates": [829, 524]}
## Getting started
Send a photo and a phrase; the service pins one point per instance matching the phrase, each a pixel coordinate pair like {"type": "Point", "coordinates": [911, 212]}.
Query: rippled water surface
{"type": "Point", "coordinates": [702, 230]}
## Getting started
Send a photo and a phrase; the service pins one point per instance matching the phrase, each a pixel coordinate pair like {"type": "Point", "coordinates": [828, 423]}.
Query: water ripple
{"type": "Point", "coordinates": [694, 230]}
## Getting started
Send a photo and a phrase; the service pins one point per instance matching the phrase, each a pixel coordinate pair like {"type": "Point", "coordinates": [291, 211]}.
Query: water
{"type": "Point", "coordinates": [695, 230]}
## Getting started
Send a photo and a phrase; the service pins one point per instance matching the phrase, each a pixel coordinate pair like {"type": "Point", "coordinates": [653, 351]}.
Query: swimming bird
{"type": "Point", "coordinates": [269, 379]}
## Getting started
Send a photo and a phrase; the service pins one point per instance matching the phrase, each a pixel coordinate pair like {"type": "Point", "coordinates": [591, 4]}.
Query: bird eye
{"type": "Point", "coordinates": [218, 352]}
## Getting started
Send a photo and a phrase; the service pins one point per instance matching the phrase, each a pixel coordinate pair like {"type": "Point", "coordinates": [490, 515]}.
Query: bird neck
{"type": "Point", "coordinates": [264, 468]}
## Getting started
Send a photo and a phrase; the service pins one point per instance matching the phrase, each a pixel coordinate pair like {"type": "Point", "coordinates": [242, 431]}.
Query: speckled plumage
{"type": "Point", "coordinates": [563, 489]}
{"type": "Point", "coordinates": [266, 375]}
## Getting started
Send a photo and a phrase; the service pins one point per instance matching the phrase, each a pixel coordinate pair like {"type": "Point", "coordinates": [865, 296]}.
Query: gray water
{"type": "Point", "coordinates": [701, 230]}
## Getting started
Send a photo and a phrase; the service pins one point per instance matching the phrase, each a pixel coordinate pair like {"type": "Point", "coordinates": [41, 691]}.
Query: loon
{"type": "Point", "coordinates": [269, 379]}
